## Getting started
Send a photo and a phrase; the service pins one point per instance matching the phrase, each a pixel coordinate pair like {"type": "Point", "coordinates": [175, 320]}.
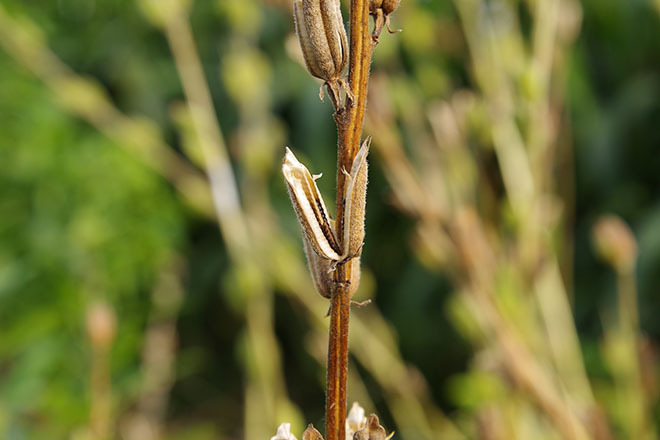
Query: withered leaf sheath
{"type": "Point", "coordinates": [322, 37]}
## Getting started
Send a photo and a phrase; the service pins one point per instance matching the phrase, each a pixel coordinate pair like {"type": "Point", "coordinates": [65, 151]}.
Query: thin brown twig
{"type": "Point", "coordinates": [349, 129]}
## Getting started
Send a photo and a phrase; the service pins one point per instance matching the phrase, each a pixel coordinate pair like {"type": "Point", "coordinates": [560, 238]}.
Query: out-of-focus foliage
{"type": "Point", "coordinates": [220, 335]}
{"type": "Point", "coordinates": [81, 220]}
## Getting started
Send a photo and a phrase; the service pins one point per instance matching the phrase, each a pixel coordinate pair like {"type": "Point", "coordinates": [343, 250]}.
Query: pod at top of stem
{"type": "Point", "coordinates": [381, 10]}
{"type": "Point", "coordinates": [388, 6]}
{"type": "Point", "coordinates": [322, 37]}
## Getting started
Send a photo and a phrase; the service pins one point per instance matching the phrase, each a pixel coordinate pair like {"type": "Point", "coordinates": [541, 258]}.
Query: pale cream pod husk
{"type": "Point", "coordinates": [310, 208]}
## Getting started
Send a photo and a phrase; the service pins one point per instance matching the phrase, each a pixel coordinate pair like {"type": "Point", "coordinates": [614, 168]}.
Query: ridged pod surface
{"type": "Point", "coordinates": [389, 6]}
{"type": "Point", "coordinates": [355, 200]}
{"type": "Point", "coordinates": [322, 37]}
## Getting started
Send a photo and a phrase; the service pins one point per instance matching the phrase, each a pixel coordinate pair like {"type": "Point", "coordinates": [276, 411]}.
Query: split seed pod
{"type": "Point", "coordinates": [320, 232]}
{"type": "Point", "coordinates": [309, 206]}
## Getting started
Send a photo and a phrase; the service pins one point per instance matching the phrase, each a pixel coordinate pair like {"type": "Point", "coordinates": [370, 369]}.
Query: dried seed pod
{"type": "Point", "coordinates": [322, 37]}
{"type": "Point", "coordinates": [321, 269]}
{"type": "Point", "coordinates": [374, 5]}
{"type": "Point", "coordinates": [373, 430]}
{"type": "Point", "coordinates": [311, 433]}
{"type": "Point", "coordinates": [310, 208]}
{"type": "Point", "coordinates": [320, 232]}
{"type": "Point", "coordinates": [355, 200]}
{"type": "Point", "coordinates": [389, 6]}
{"type": "Point", "coordinates": [381, 10]}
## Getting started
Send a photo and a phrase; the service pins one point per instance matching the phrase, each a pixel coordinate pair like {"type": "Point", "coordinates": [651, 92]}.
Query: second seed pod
{"type": "Point", "coordinates": [322, 37]}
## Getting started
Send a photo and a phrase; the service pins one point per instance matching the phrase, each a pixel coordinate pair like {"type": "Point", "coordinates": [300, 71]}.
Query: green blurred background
{"type": "Point", "coordinates": [126, 312]}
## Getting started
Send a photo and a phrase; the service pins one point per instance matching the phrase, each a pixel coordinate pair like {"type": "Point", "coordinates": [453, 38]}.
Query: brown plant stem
{"type": "Point", "coordinates": [349, 131]}
{"type": "Point", "coordinates": [337, 365]}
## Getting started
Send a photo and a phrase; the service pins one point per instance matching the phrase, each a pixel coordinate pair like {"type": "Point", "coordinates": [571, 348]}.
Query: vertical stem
{"type": "Point", "coordinates": [335, 405]}
{"type": "Point", "coordinates": [349, 129]}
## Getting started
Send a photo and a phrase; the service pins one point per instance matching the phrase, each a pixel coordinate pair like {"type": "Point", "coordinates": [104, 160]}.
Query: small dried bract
{"type": "Point", "coordinates": [328, 244]}
{"type": "Point", "coordinates": [372, 431]}
{"type": "Point", "coordinates": [381, 10]}
{"type": "Point", "coordinates": [311, 433]}
{"type": "Point", "coordinates": [323, 41]}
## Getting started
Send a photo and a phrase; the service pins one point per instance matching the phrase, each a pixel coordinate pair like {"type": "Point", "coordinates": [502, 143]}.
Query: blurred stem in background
{"type": "Point", "coordinates": [622, 349]}
{"type": "Point", "coordinates": [265, 396]}
{"type": "Point", "coordinates": [85, 98]}
{"type": "Point", "coordinates": [159, 351]}
{"type": "Point", "coordinates": [505, 266]}
{"type": "Point", "coordinates": [101, 329]}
